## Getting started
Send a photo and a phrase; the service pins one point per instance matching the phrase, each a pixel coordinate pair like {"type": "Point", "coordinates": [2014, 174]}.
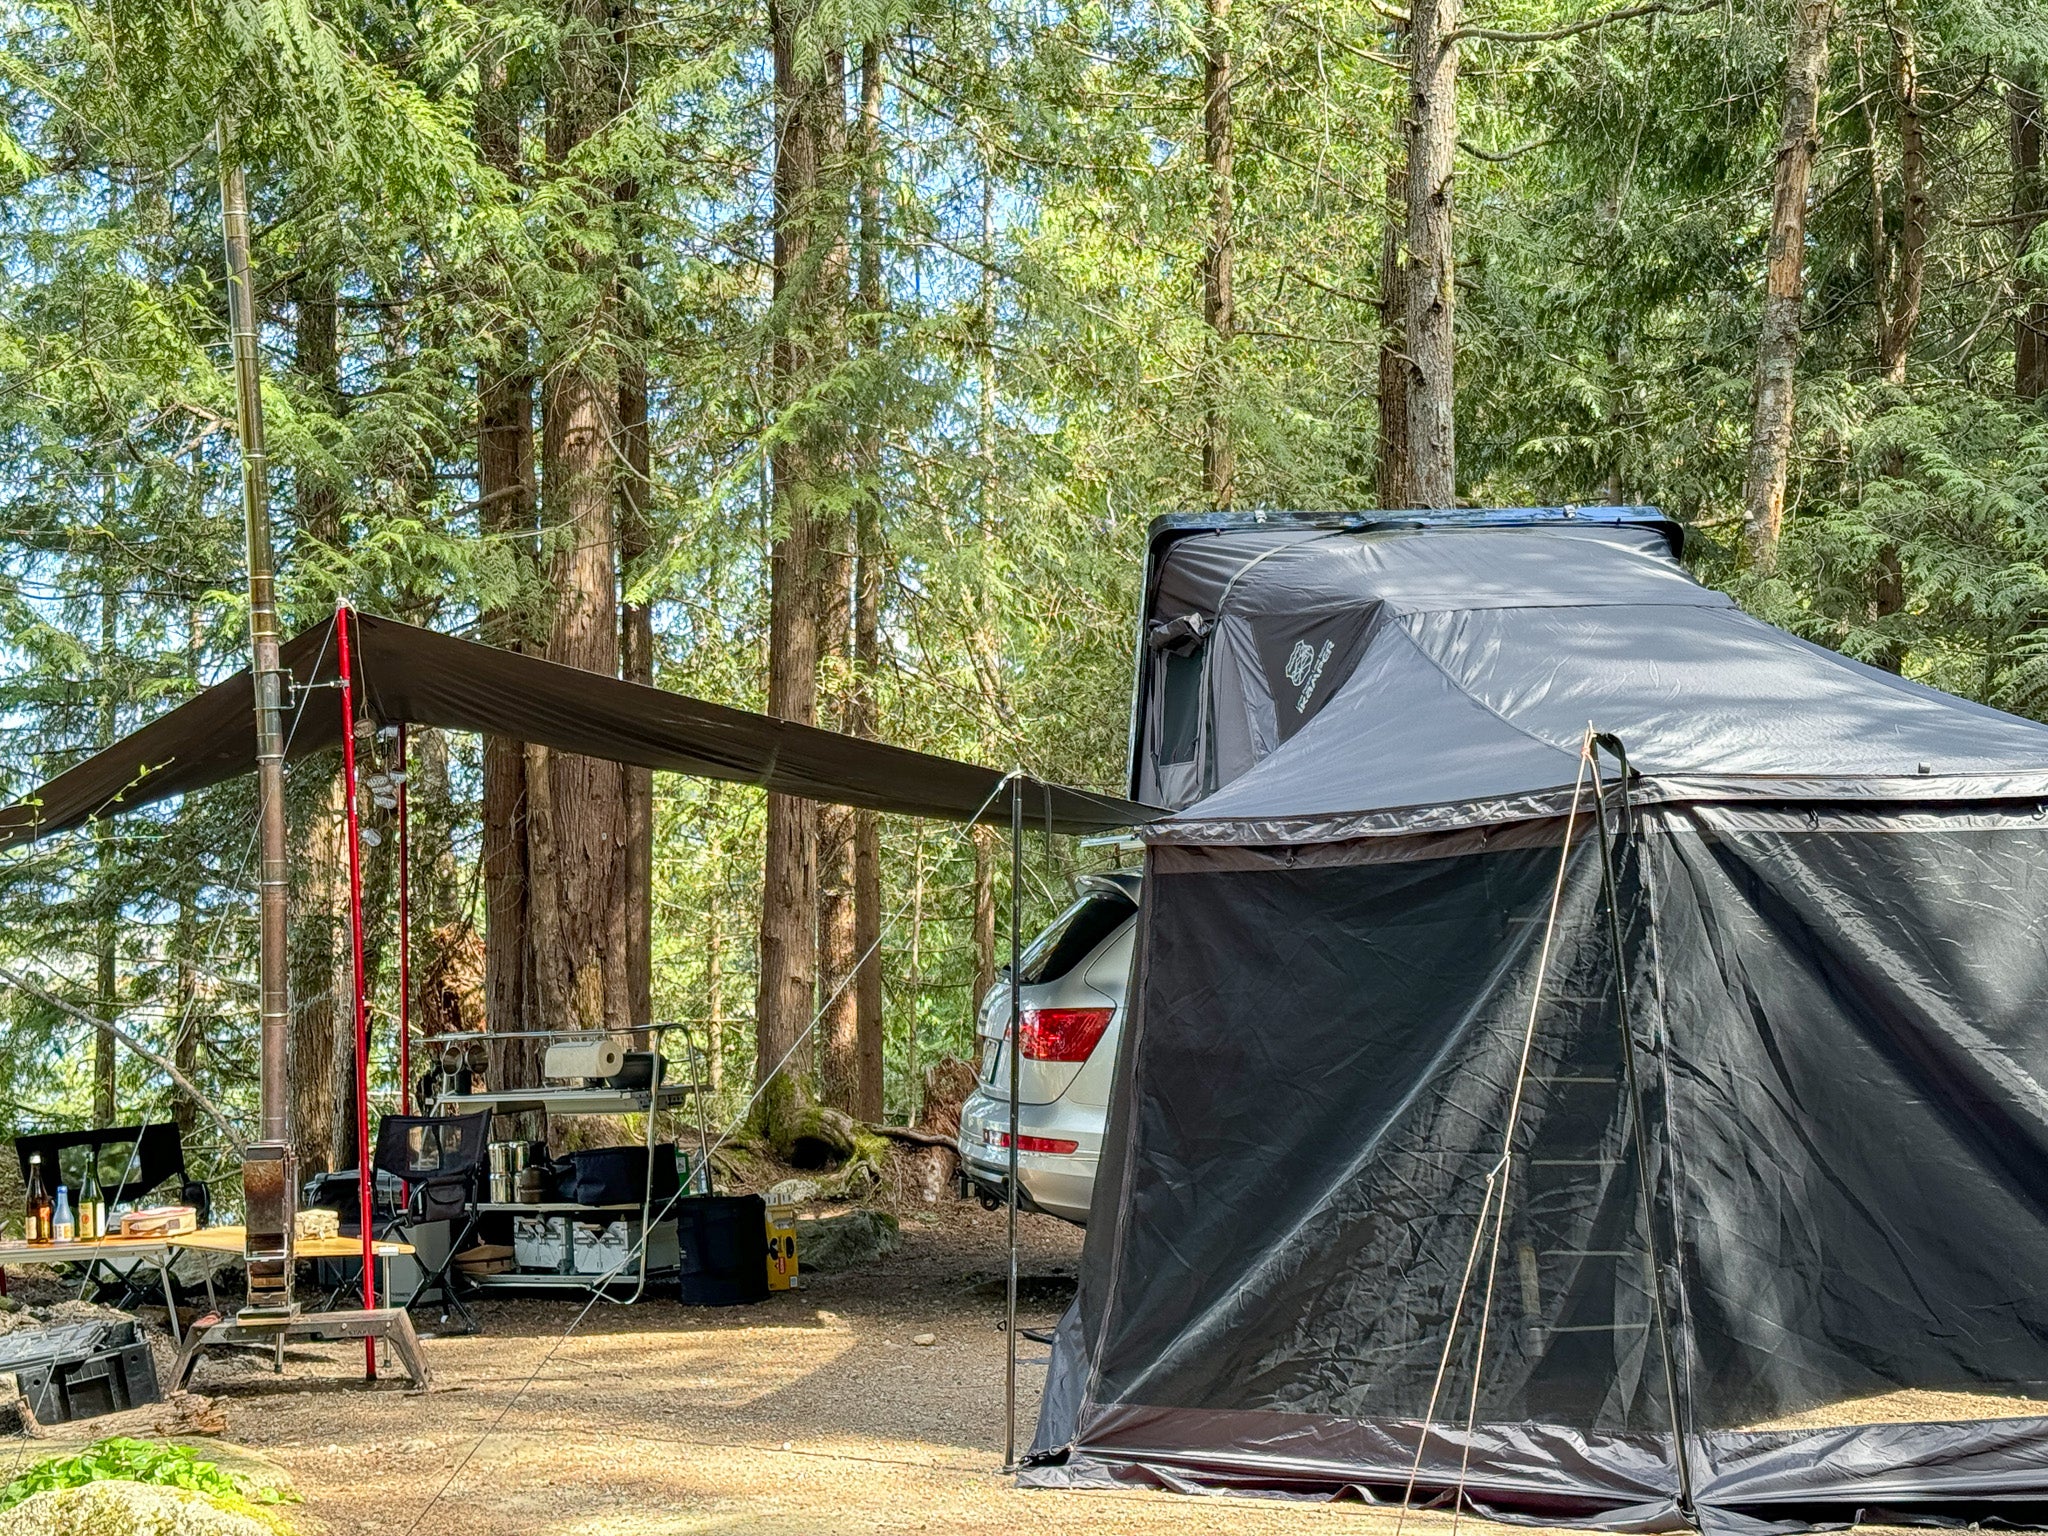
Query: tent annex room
{"type": "Point", "coordinates": [1588, 1058]}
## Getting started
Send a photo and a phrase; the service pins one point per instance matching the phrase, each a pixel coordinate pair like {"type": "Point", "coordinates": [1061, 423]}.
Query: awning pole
{"type": "Point", "coordinates": [353, 822]}
{"type": "Point", "coordinates": [1016, 1088]}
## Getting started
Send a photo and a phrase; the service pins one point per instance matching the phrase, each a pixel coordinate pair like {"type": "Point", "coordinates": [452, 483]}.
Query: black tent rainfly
{"type": "Point", "coordinates": [1436, 1171]}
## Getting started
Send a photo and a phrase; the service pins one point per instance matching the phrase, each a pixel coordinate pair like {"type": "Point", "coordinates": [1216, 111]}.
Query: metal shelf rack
{"type": "Point", "coordinates": [581, 1101]}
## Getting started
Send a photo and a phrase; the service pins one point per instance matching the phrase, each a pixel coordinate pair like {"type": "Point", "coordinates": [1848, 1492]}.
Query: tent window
{"type": "Point", "coordinates": [1180, 706]}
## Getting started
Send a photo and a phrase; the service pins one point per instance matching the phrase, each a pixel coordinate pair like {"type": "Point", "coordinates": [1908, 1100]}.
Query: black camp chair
{"type": "Point", "coordinates": [131, 1161]}
{"type": "Point", "coordinates": [441, 1158]}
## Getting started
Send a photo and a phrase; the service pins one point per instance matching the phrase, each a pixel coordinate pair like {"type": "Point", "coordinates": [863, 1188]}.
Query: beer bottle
{"type": "Point", "coordinates": [92, 1206]}
{"type": "Point", "coordinates": [36, 1225]}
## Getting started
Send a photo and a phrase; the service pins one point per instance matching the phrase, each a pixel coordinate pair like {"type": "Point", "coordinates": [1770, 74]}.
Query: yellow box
{"type": "Point", "coordinates": [781, 1247]}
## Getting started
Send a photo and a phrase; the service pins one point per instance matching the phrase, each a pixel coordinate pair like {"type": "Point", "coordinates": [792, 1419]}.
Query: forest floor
{"type": "Point", "coordinates": [812, 1414]}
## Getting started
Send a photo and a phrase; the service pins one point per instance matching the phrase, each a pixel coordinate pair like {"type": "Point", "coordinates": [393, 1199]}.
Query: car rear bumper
{"type": "Point", "coordinates": [1060, 1184]}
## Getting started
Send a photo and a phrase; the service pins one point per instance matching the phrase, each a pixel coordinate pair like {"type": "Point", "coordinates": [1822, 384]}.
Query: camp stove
{"type": "Point", "coordinates": [268, 1199]}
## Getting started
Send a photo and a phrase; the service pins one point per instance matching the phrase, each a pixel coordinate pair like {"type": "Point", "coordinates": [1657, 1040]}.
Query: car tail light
{"type": "Point", "coordinates": [1000, 1140]}
{"type": "Point", "coordinates": [1062, 1034]}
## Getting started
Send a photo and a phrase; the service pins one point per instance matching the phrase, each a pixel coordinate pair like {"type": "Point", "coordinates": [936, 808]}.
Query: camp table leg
{"type": "Point", "coordinates": [163, 1269]}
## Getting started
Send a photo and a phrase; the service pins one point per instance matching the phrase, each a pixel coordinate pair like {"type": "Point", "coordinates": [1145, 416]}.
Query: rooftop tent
{"type": "Point", "coordinates": [1398, 1196]}
{"type": "Point", "coordinates": [420, 677]}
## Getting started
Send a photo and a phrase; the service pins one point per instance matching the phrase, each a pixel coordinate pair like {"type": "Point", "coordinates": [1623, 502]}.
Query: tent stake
{"type": "Point", "coordinates": [1610, 891]}
{"type": "Point", "coordinates": [352, 821]}
{"type": "Point", "coordinates": [1016, 1087]}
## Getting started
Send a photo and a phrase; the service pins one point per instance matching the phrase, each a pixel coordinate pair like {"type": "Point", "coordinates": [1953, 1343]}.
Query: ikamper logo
{"type": "Point", "coordinates": [1305, 669]}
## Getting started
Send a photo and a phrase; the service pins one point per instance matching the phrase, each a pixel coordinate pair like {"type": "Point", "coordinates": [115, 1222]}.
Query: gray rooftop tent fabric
{"type": "Point", "coordinates": [425, 678]}
{"type": "Point", "coordinates": [1769, 1260]}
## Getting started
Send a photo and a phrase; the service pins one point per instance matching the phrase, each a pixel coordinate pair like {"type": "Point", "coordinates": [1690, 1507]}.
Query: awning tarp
{"type": "Point", "coordinates": [421, 677]}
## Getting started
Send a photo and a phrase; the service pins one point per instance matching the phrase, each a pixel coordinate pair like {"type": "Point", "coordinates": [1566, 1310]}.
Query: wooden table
{"type": "Point", "coordinates": [235, 1240]}
{"type": "Point", "coordinates": [390, 1323]}
{"type": "Point", "coordinates": [156, 1252]}
{"type": "Point", "coordinates": [159, 1253]}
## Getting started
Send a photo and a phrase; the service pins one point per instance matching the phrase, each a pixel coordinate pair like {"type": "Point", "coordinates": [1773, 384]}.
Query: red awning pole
{"type": "Point", "coordinates": [404, 932]}
{"type": "Point", "coordinates": [364, 1173]}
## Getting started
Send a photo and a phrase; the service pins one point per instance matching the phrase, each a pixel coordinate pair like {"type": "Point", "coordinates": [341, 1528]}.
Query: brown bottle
{"type": "Point", "coordinates": [36, 1226]}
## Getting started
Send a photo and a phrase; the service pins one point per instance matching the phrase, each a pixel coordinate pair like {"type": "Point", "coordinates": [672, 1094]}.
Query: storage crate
{"type": "Point", "coordinates": [80, 1370]}
{"type": "Point", "coordinates": [541, 1242]}
{"type": "Point", "coordinates": [605, 1247]}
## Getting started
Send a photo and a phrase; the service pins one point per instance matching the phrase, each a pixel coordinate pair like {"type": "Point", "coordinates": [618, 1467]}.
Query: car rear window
{"type": "Point", "coordinates": [1073, 936]}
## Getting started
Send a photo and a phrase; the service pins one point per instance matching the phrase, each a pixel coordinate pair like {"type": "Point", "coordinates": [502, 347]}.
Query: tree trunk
{"type": "Point", "coordinates": [838, 1029]}
{"type": "Point", "coordinates": [106, 923]}
{"type": "Point", "coordinates": [319, 1025]}
{"type": "Point", "coordinates": [636, 634]}
{"type": "Point", "coordinates": [1390, 464]}
{"type": "Point", "coordinates": [984, 839]}
{"type": "Point", "coordinates": [1900, 309]}
{"type": "Point", "coordinates": [1898, 286]}
{"type": "Point", "coordinates": [579, 967]}
{"type": "Point", "coordinates": [1219, 306]}
{"type": "Point", "coordinates": [809, 275]}
{"type": "Point", "coordinates": [867, 599]}
{"type": "Point", "coordinates": [913, 1055]}
{"type": "Point", "coordinates": [507, 512]}
{"type": "Point", "coordinates": [714, 992]}
{"type": "Point", "coordinates": [1778, 343]}
{"type": "Point", "coordinates": [2030, 208]}
{"type": "Point", "coordinates": [1429, 279]}
{"type": "Point", "coordinates": [185, 1043]}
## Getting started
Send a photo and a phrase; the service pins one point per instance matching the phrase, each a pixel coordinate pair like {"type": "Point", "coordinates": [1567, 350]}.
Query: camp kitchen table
{"type": "Point", "coordinates": [97, 1252]}
{"type": "Point", "coordinates": [160, 1253]}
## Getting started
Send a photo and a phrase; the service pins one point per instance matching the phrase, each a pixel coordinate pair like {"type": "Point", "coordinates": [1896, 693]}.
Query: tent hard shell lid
{"type": "Point", "coordinates": [1721, 1199]}
{"type": "Point", "coordinates": [420, 677]}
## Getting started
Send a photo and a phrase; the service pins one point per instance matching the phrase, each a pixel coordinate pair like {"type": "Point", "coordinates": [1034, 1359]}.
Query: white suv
{"type": "Point", "coordinates": [1074, 978]}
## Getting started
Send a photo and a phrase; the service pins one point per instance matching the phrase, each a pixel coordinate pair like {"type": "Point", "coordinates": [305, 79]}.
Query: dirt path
{"type": "Point", "coordinates": [811, 1414]}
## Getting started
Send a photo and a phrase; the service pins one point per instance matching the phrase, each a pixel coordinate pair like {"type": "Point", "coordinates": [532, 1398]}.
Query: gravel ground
{"type": "Point", "coordinates": [814, 1413]}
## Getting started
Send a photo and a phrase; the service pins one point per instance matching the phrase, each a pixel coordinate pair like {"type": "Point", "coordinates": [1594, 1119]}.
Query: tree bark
{"type": "Point", "coordinates": [1390, 460]}
{"type": "Point", "coordinates": [636, 539]}
{"type": "Point", "coordinates": [1219, 253]}
{"type": "Point", "coordinates": [319, 1025]}
{"type": "Point", "coordinates": [1898, 285]}
{"type": "Point", "coordinates": [2030, 209]}
{"type": "Point", "coordinates": [1778, 342]}
{"type": "Point", "coordinates": [1900, 298]}
{"type": "Point", "coordinates": [1429, 278]}
{"type": "Point", "coordinates": [579, 968]}
{"type": "Point", "coordinates": [508, 503]}
{"type": "Point", "coordinates": [984, 839]}
{"type": "Point", "coordinates": [106, 921]}
{"type": "Point", "coordinates": [809, 263]}
{"type": "Point", "coordinates": [838, 1029]}
{"type": "Point", "coordinates": [867, 599]}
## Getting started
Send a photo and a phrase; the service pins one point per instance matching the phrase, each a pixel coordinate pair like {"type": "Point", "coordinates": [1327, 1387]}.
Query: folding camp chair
{"type": "Point", "coordinates": [132, 1163]}
{"type": "Point", "coordinates": [441, 1159]}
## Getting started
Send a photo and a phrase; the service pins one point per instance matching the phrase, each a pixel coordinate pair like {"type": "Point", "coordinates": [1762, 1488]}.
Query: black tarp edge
{"type": "Point", "coordinates": [421, 677]}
